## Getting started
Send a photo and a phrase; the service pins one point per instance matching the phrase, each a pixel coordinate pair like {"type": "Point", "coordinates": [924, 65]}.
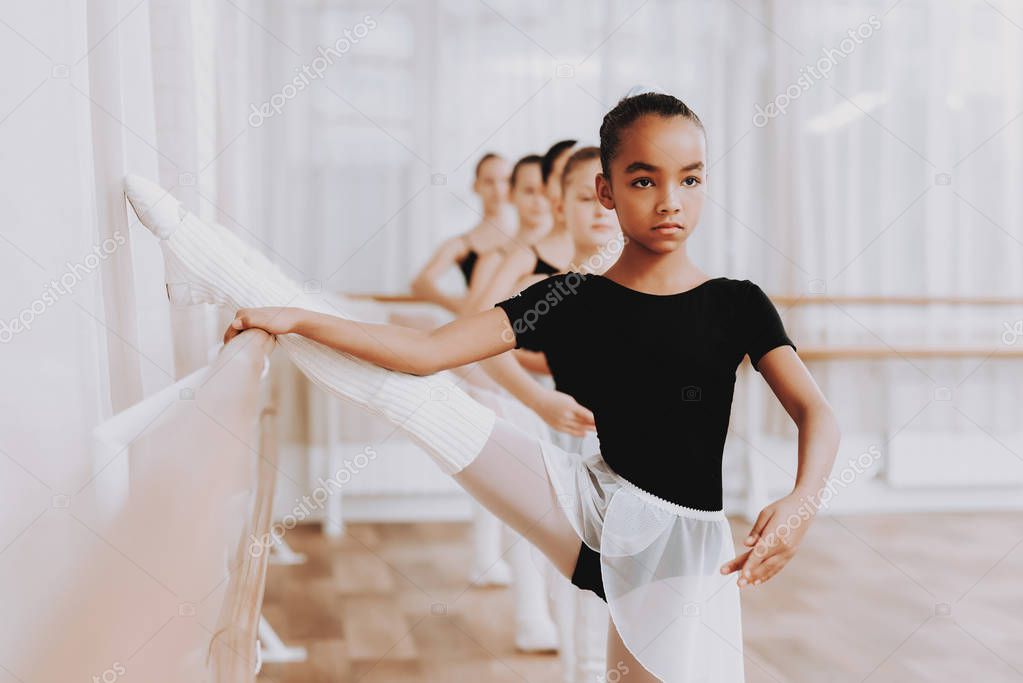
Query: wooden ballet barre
{"type": "Point", "coordinates": [200, 474]}
{"type": "Point", "coordinates": [790, 300]}
{"type": "Point", "coordinates": [238, 625]}
{"type": "Point", "coordinates": [808, 352]}
{"type": "Point", "coordinates": [388, 298]}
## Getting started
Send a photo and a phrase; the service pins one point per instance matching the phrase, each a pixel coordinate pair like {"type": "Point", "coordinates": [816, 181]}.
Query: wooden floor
{"type": "Point", "coordinates": [936, 597]}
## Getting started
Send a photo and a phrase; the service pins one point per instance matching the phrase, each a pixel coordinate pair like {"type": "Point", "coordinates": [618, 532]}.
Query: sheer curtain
{"type": "Point", "coordinates": [893, 177]}
{"type": "Point", "coordinates": [890, 170]}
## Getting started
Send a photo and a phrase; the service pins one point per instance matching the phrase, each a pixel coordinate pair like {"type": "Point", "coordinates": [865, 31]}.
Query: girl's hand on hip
{"type": "Point", "coordinates": [562, 412]}
{"type": "Point", "coordinates": [275, 320]}
{"type": "Point", "coordinates": [774, 538]}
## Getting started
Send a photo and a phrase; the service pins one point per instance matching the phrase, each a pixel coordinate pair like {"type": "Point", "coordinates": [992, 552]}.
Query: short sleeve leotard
{"type": "Point", "coordinates": [658, 371]}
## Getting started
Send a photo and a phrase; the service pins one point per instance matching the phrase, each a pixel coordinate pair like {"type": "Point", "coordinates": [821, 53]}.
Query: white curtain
{"type": "Point", "coordinates": [892, 173]}
{"type": "Point", "coordinates": [356, 175]}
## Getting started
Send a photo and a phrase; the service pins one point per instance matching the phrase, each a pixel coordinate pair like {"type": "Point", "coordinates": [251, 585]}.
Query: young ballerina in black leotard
{"type": "Point", "coordinates": [651, 346]}
{"type": "Point", "coordinates": [527, 195]}
{"type": "Point", "coordinates": [495, 228]}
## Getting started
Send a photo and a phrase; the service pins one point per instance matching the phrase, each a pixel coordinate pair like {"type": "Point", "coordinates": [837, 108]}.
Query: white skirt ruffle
{"type": "Point", "coordinates": [660, 569]}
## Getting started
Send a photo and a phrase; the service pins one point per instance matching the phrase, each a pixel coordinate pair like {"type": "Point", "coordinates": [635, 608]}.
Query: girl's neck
{"type": "Point", "coordinates": [496, 222]}
{"type": "Point", "coordinates": [533, 231]}
{"type": "Point", "coordinates": [639, 266]}
{"type": "Point", "coordinates": [494, 213]}
{"type": "Point", "coordinates": [559, 228]}
{"type": "Point", "coordinates": [594, 258]}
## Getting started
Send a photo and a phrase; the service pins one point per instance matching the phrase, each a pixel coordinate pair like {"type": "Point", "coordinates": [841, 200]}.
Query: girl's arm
{"type": "Point", "coordinates": [559, 410]}
{"type": "Point", "coordinates": [405, 349]}
{"type": "Point", "coordinates": [780, 527]}
{"type": "Point", "coordinates": [425, 283]}
{"type": "Point", "coordinates": [423, 352]}
{"type": "Point", "coordinates": [534, 361]}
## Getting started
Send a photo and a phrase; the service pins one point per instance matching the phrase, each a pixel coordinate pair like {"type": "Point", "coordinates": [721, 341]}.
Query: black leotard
{"type": "Point", "coordinates": [542, 267]}
{"type": "Point", "coordinates": [658, 371]}
{"type": "Point", "coordinates": [468, 263]}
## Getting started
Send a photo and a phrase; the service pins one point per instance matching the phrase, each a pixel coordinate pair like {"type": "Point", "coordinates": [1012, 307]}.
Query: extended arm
{"type": "Point", "coordinates": [534, 361]}
{"type": "Point", "coordinates": [405, 349]}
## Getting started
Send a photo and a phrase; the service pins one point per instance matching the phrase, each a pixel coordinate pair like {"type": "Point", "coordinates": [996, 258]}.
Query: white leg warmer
{"type": "Point", "coordinates": [203, 268]}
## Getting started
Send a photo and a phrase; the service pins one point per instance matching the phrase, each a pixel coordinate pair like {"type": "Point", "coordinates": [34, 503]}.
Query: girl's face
{"type": "Point", "coordinates": [590, 224]}
{"type": "Point", "coordinates": [657, 182]}
{"type": "Point", "coordinates": [492, 183]}
{"type": "Point", "coordinates": [529, 197]}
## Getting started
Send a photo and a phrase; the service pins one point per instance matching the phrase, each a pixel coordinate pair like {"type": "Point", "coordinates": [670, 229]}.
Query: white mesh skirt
{"type": "Point", "coordinates": [659, 569]}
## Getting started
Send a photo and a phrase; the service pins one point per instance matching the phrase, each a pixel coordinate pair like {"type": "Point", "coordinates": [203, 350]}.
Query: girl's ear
{"type": "Point", "coordinates": [604, 195]}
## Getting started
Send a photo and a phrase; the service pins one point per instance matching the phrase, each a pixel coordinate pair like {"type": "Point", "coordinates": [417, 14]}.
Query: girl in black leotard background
{"type": "Point", "coordinates": [534, 222]}
{"type": "Point", "coordinates": [497, 223]}
{"type": "Point", "coordinates": [546, 256]}
{"type": "Point", "coordinates": [469, 251]}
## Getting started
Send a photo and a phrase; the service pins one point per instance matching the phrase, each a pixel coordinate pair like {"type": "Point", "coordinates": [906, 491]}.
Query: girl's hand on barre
{"type": "Point", "coordinates": [774, 538]}
{"type": "Point", "coordinates": [275, 320]}
{"type": "Point", "coordinates": [563, 413]}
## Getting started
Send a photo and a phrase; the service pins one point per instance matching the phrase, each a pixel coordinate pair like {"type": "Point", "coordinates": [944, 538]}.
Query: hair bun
{"type": "Point", "coordinates": [641, 88]}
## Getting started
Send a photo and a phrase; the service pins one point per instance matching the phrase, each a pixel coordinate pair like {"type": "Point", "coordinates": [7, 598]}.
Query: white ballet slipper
{"type": "Point", "coordinates": [536, 635]}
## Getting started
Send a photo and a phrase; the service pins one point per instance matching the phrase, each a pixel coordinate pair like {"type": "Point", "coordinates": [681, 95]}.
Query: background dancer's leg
{"type": "Point", "coordinates": [589, 635]}
{"type": "Point", "coordinates": [535, 630]}
{"type": "Point", "coordinates": [489, 566]}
